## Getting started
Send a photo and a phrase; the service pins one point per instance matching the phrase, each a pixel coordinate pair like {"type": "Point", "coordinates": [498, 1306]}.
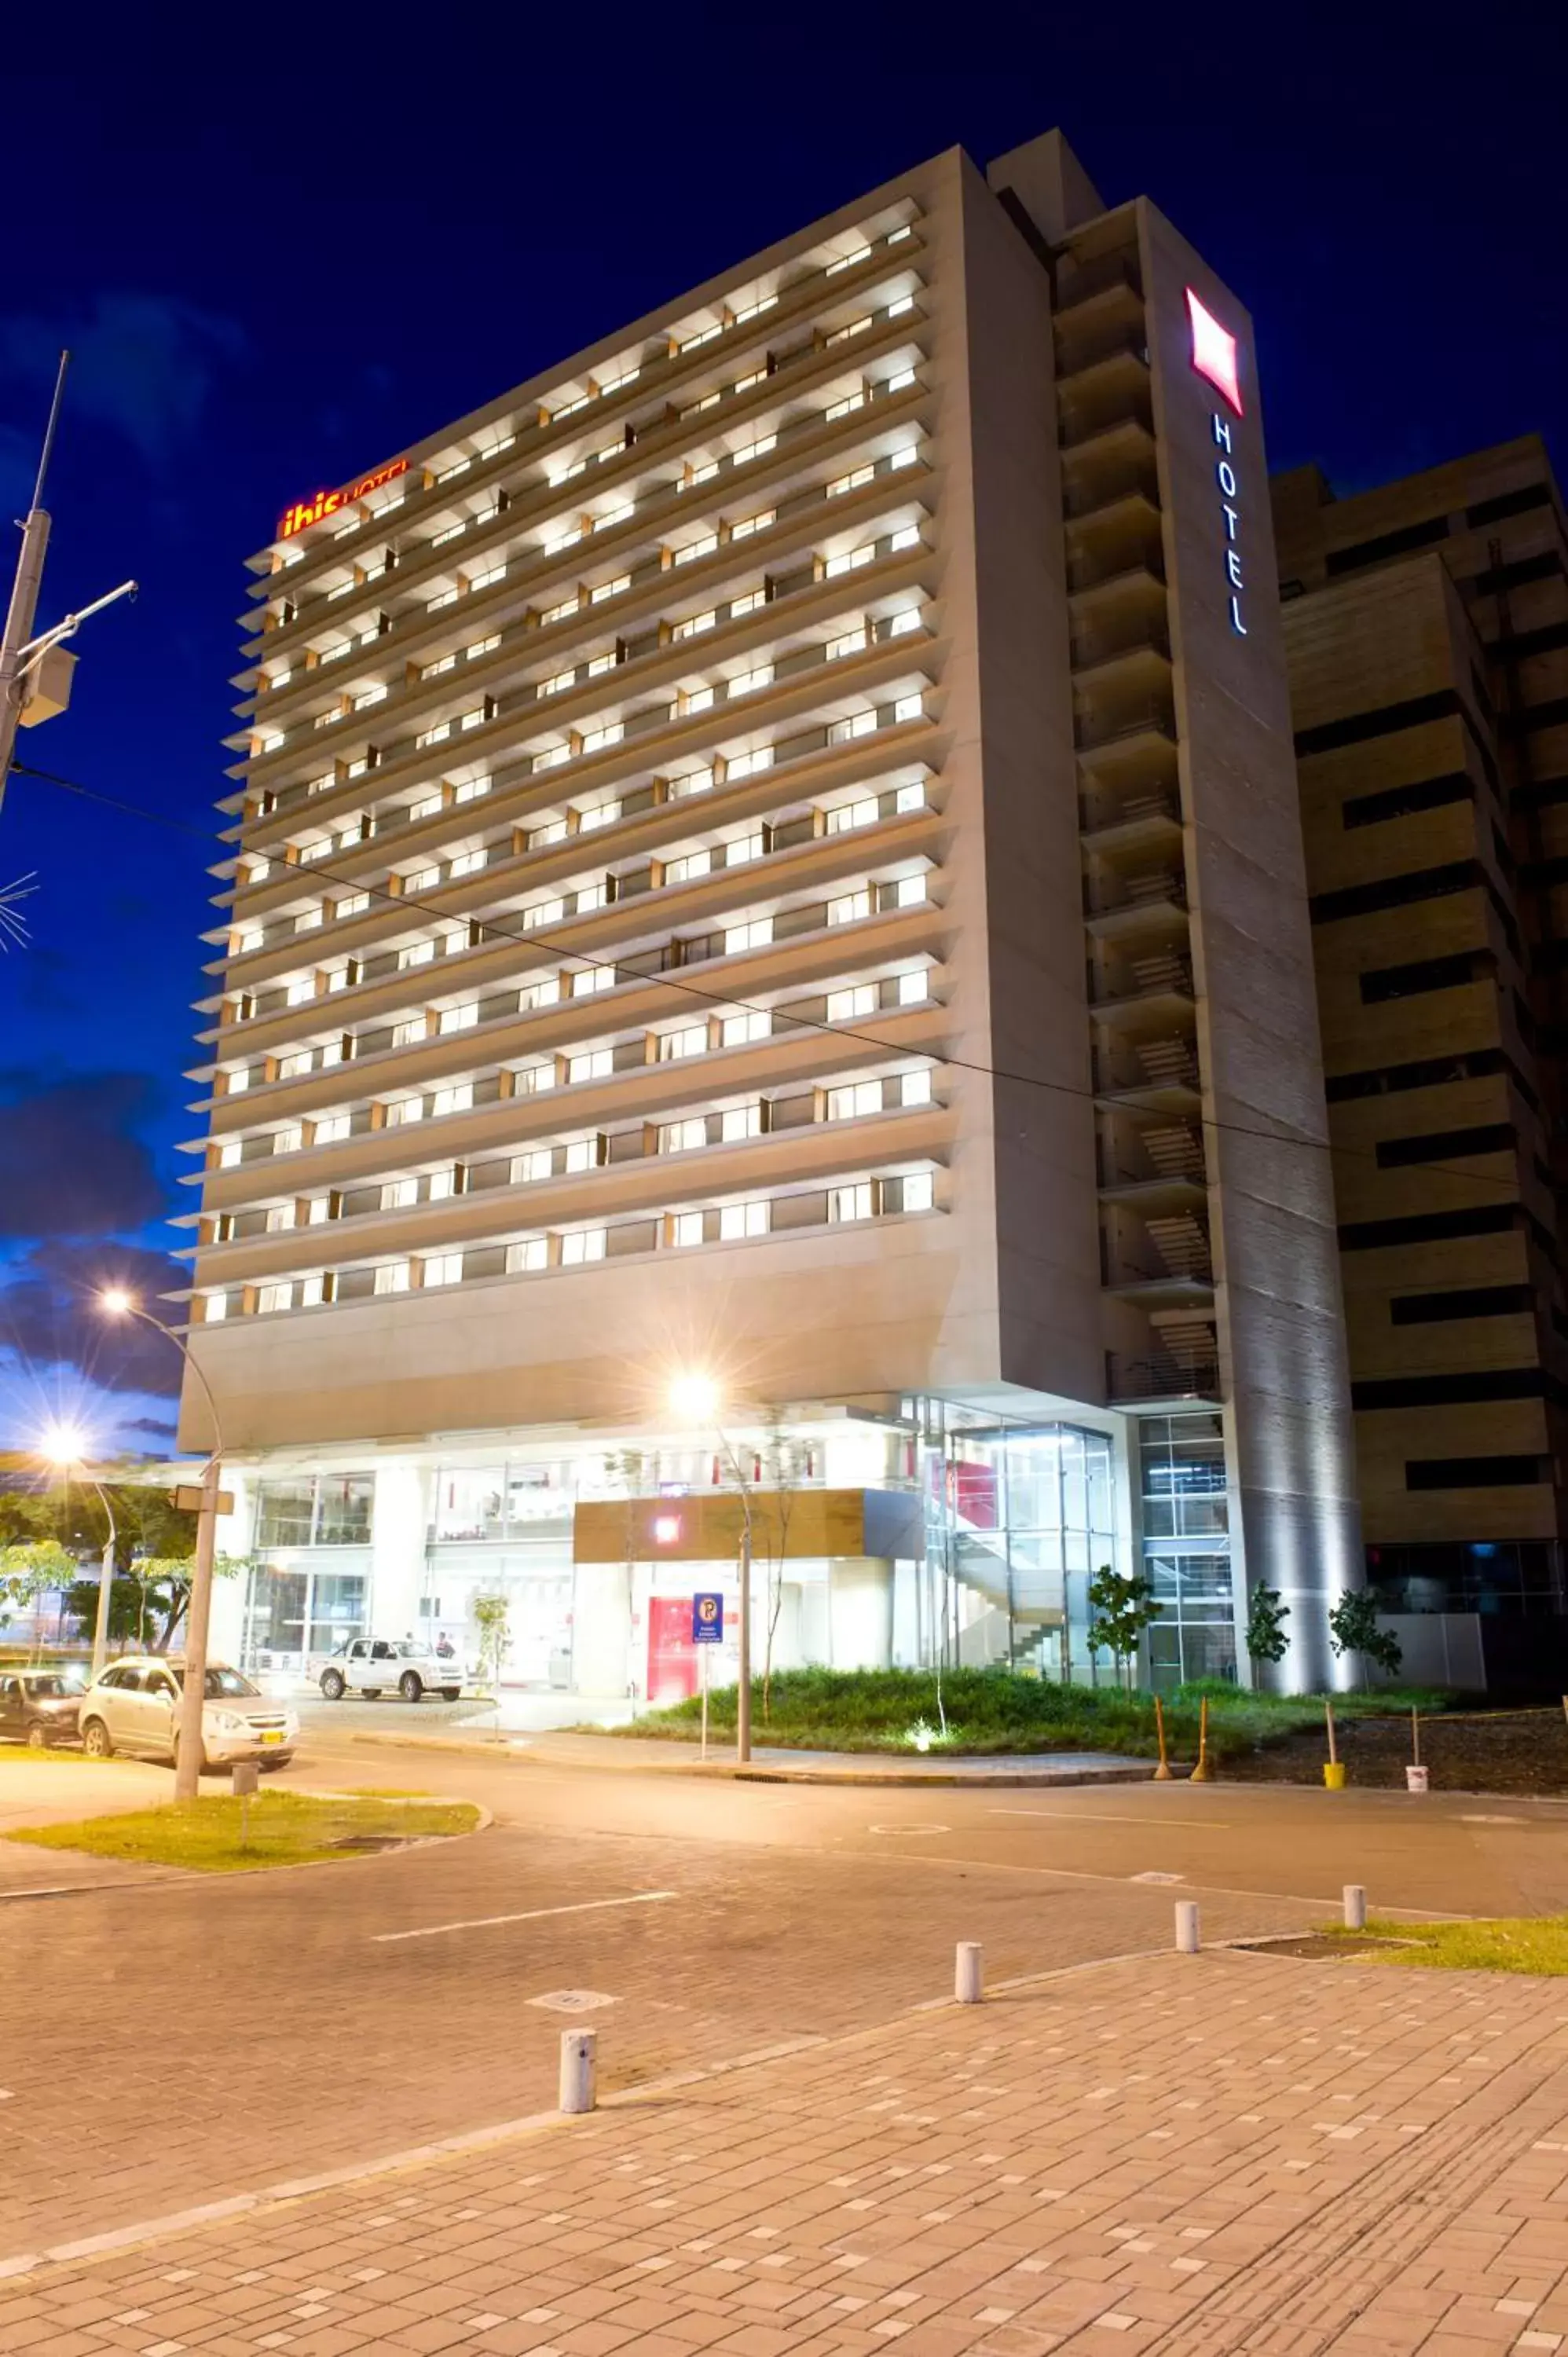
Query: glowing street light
{"type": "Point", "coordinates": [63, 1444]}
{"type": "Point", "coordinates": [695, 1398]}
{"type": "Point", "coordinates": [116, 1301]}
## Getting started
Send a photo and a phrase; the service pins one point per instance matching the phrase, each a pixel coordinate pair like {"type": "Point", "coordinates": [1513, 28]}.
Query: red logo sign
{"type": "Point", "coordinates": [326, 503]}
{"type": "Point", "coordinates": [1214, 352]}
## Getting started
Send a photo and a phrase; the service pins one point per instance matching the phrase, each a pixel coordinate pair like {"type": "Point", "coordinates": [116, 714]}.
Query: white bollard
{"type": "Point", "coordinates": [966, 1975]}
{"type": "Point", "coordinates": [1355, 1907]}
{"type": "Point", "coordinates": [1186, 1927]}
{"type": "Point", "coordinates": [578, 2053]}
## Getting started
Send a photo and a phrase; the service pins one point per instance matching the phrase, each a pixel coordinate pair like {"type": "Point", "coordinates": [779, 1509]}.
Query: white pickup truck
{"type": "Point", "coordinates": [375, 1665]}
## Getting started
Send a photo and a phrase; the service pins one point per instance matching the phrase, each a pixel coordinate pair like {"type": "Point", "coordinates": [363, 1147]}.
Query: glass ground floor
{"type": "Point", "coordinates": [1002, 1518]}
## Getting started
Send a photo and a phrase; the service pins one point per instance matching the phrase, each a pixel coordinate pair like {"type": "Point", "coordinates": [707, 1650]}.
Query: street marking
{"type": "Point", "coordinates": [528, 1915]}
{"type": "Point", "coordinates": [1109, 1817]}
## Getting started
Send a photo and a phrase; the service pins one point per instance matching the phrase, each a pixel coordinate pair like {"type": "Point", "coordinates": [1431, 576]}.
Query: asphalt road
{"type": "Point", "coordinates": [168, 2043]}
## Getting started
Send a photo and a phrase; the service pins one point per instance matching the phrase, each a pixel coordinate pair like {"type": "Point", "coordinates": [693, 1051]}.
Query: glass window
{"type": "Point", "coordinates": [284, 1512]}
{"type": "Point", "coordinates": [344, 1510]}
{"type": "Point", "coordinates": [469, 1503]}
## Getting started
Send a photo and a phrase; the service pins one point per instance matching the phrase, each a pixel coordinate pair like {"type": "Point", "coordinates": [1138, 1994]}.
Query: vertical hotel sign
{"type": "Point", "coordinates": [1214, 360]}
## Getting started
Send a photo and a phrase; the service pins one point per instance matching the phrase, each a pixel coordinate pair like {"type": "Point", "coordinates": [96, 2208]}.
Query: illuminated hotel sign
{"type": "Point", "coordinates": [1214, 358]}
{"type": "Point", "coordinates": [326, 503]}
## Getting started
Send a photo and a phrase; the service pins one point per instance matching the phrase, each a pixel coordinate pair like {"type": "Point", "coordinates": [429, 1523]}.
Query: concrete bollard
{"type": "Point", "coordinates": [1355, 1907]}
{"type": "Point", "coordinates": [967, 1973]}
{"type": "Point", "coordinates": [1186, 1927]}
{"type": "Point", "coordinates": [579, 2050]}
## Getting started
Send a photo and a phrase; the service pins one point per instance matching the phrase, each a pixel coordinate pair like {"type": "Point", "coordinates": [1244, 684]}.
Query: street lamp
{"type": "Point", "coordinates": [114, 1301]}
{"type": "Point", "coordinates": [695, 1399]}
{"type": "Point", "coordinates": [63, 1445]}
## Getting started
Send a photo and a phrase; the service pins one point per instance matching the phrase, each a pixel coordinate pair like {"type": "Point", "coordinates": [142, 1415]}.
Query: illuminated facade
{"type": "Point", "coordinates": [773, 848]}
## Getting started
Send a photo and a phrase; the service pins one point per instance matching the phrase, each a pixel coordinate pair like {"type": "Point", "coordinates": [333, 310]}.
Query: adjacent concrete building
{"type": "Point", "coordinates": [773, 849]}
{"type": "Point", "coordinates": [1427, 630]}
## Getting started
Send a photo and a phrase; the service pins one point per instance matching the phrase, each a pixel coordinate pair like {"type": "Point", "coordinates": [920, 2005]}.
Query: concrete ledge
{"type": "Point", "coordinates": [809, 1768]}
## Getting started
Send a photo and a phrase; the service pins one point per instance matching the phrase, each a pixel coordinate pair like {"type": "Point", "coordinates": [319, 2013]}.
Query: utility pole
{"type": "Point", "coordinates": [34, 673]}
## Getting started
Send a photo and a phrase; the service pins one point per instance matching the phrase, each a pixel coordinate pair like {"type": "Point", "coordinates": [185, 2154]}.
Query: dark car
{"type": "Point", "coordinates": [38, 1707]}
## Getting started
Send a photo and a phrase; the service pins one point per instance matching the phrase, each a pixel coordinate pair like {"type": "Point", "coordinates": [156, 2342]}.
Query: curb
{"type": "Point", "coordinates": [1135, 1772]}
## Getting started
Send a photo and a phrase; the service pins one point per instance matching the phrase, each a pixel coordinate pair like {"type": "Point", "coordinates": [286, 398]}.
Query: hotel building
{"type": "Point", "coordinates": [1426, 625]}
{"type": "Point", "coordinates": [772, 849]}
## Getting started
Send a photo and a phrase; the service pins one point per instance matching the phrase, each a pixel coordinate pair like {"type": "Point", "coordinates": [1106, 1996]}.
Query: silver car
{"type": "Point", "coordinates": [133, 1705]}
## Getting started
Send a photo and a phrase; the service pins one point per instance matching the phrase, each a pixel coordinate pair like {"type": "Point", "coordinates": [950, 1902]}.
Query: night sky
{"type": "Point", "coordinates": [276, 261]}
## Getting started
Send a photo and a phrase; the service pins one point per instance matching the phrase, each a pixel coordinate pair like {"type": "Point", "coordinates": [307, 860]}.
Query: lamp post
{"type": "Point", "coordinates": [116, 1302]}
{"type": "Point", "coordinates": [63, 1445]}
{"type": "Point", "coordinates": [696, 1397]}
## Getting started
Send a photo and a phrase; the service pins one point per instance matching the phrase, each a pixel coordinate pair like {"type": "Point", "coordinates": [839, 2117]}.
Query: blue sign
{"type": "Point", "coordinates": [707, 1619]}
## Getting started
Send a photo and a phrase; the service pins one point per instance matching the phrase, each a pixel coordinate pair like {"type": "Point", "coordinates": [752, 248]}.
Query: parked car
{"type": "Point", "coordinates": [372, 1665]}
{"type": "Point", "coordinates": [133, 1705]}
{"type": "Point", "coordinates": [39, 1707]}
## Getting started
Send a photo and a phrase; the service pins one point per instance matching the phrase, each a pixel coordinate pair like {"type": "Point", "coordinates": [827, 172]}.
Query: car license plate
{"type": "Point", "coordinates": [271, 1735]}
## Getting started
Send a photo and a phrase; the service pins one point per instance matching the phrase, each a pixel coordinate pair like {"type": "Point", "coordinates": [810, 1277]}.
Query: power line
{"type": "Point", "coordinates": [543, 939]}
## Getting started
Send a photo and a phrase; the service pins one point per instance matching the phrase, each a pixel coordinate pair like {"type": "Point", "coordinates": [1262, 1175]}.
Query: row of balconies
{"type": "Point", "coordinates": [883, 1195]}
{"type": "Point", "coordinates": [897, 558]}
{"type": "Point", "coordinates": [419, 585]}
{"type": "Point", "coordinates": [540, 434]}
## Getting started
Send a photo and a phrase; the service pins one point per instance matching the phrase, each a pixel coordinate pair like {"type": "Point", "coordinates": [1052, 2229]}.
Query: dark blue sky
{"type": "Point", "coordinates": [277, 260]}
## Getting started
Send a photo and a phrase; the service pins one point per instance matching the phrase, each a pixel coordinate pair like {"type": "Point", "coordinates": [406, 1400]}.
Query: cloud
{"type": "Point", "coordinates": [72, 1163]}
{"type": "Point", "coordinates": [141, 364]}
{"type": "Point", "coordinates": [48, 1317]}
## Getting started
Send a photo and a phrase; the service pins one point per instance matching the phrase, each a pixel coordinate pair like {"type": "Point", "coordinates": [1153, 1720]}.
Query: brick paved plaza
{"type": "Point", "coordinates": [1236, 2152]}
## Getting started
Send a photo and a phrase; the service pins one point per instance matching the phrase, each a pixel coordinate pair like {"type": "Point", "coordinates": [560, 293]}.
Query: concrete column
{"type": "Point", "coordinates": [860, 1604]}
{"type": "Point", "coordinates": [399, 1520]}
{"type": "Point", "coordinates": [601, 1627]}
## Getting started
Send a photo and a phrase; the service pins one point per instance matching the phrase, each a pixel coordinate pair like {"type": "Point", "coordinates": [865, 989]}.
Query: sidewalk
{"type": "Point", "coordinates": [772, 1763]}
{"type": "Point", "coordinates": [1191, 2156]}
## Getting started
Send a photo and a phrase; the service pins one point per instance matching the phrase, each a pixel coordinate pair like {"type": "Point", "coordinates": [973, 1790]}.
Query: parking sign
{"type": "Point", "coordinates": [708, 1619]}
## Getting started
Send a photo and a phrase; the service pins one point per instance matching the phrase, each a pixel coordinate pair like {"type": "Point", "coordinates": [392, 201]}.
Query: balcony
{"type": "Point", "coordinates": [1134, 1382]}
{"type": "Point", "coordinates": [1091, 280]}
{"type": "Point", "coordinates": [1134, 825]}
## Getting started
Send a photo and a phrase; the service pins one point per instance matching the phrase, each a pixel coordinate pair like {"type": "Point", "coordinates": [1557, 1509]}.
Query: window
{"type": "Point", "coordinates": [851, 1006]}
{"type": "Point", "coordinates": [695, 782]}
{"type": "Point", "coordinates": [740, 1121]}
{"type": "Point", "coordinates": [552, 756]}
{"type": "Point", "coordinates": [753, 934]}
{"type": "Point", "coordinates": [528, 1170]}
{"type": "Point", "coordinates": [460, 1019]}
{"type": "Point", "coordinates": [693, 624]}
{"type": "Point", "coordinates": [692, 699]}
{"type": "Point", "coordinates": [912, 987]}
{"type": "Point", "coordinates": [251, 939]}
{"type": "Point", "coordinates": [273, 1298]}
{"type": "Point", "coordinates": [467, 863]}
{"type": "Point", "coordinates": [280, 1218]}
{"type": "Point", "coordinates": [852, 643]}
{"type": "Point", "coordinates": [675, 1045]}
{"type": "Point", "coordinates": [848, 1103]}
{"type": "Point", "coordinates": [353, 904]}
{"type": "Point", "coordinates": [301, 989]}
{"type": "Point", "coordinates": [858, 724]}
{"type": "Point", "coordinates": [686, 1228]}
{"type": "Point", "coordinates": [600, 815]}
{"type": "Point", "coordinates": [609, 588]}
{"type": "Point", "coordinates": [851, 1202]}
{"type": "Point", "coordinates": [850, 482]}
{"type": "Point", "coordinates": [533, 1252]}
{"type": "Point", "coordinates": [559, 613]}
{"type": "Point", "coordinates": [747, 683]}
{"type": "Point", "coordinates": [312, 1292]}
{"type": "Point", "coordinates": [593, 979]}
{"type": "Point", "coordinates": [558, 683]}
{"type": "Point", "coordinates": [546, 992]}
{"type": "Point", "coordinates": [738, 1220]}
{"type": "Point", "coordinates": [398, 1193]}
{"type": "Point", "coordinates": [757, 449]}
{"type": "Point", "coordinates": [917, 1191]}
{"type": "Point", "coordinates": [406, 1033]}
{"type": "Point", "coordinates": [444, 1268]}
{"type": "Point", "coordinates": [909, 707]}
{"type": "Point", "coordinates": [318, 1210]}
{"type": "Point", "coordinates": [743, 765]}
{"type": "Point", "coordinates": [740, 1030]}
{"type": "Point", "coordinates": [749, 524]}
{"type": "Point", "coordinates": [406, 1110]}
{"type": "Point", "coordinates": [915, 1089]}
{"type": "Point", "coordinates": [595, 740]}
{"type": "Point", "coordinates": [581, 1154]}
{"type": "Point", "coordinates": [852, 814]}
{"type": "Point", "coordinates": [289, 1140]}
{"type": "Point", "coordinates": [215, 1308]}
{"type": "Point", "coordinates": [230, 1154]}
{"type": "Point", "coordinates": [684, 1136]}
{"type": "Point", "coordinates": [459, 1098]}
{"type": "Point", "coordinates": [582, 1244]}
{"type": "Point", "coordinates": [291, 1067]}
{"type": "Point", "coordinates": [330, 1128]}
{"type": "Point", "coordinates": [694, 548]}
{"type": "Point", "coordinates": [393, 1276]}
{"type": "Point", "coordinates": [415, 954]}
{"type": "Point", "coordinates": [909, 892]}
{"type": "Point", "coordinates": [744, 847]}
{"type": "Point", "coordinates": [690, 863]}
{"type": "Point", "coordinates": [237, 1081]}
{"type": "Point", "coordinates": [900, 382]}
{"type": "Point", "coordinates": [852, 906]}
{"type": "Point", "coordinates": [593, 1064]}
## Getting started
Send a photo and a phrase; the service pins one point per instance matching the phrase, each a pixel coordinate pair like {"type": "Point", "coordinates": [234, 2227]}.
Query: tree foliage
{"type": "Point", "coordinates": [1267, 1613]}
{"type": "Point", "coordinates": [1353, 1628]}
{"type": "Point", "coordinates": [1120, 1610]}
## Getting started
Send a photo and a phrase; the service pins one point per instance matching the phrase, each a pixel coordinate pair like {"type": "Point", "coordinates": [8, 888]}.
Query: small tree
{"type": "Point", "coordinates": [491, 1613]}
{"type": "Point", "coordinates": [28, 1569]}
{"type": "Point", "coordinates": [1353, 1628]}
{"type": "Point", "coordinates": [1120, 1610]}
{"type": "Point", "coordinates": [1267, 1613]}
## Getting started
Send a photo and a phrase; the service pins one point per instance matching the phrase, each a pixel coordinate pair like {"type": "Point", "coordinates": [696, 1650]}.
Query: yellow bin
{"type": "Point", "coordinates": [1334, 1775]}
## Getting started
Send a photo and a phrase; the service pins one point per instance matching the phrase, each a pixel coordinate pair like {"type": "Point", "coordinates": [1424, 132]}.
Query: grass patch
{"type": "Point", "coordinates": [285, 1829]}
{"type": "Point", "coordinates": [995, 1711]}
{"type": "Point", "coordinates": [1506, 1944]}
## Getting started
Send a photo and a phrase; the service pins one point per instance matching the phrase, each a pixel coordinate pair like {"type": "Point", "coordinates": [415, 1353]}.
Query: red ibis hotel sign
{"type": "Point", "coordinates": [326, 503]}
{"type": "Point", "coordinates": [1214, 358]}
